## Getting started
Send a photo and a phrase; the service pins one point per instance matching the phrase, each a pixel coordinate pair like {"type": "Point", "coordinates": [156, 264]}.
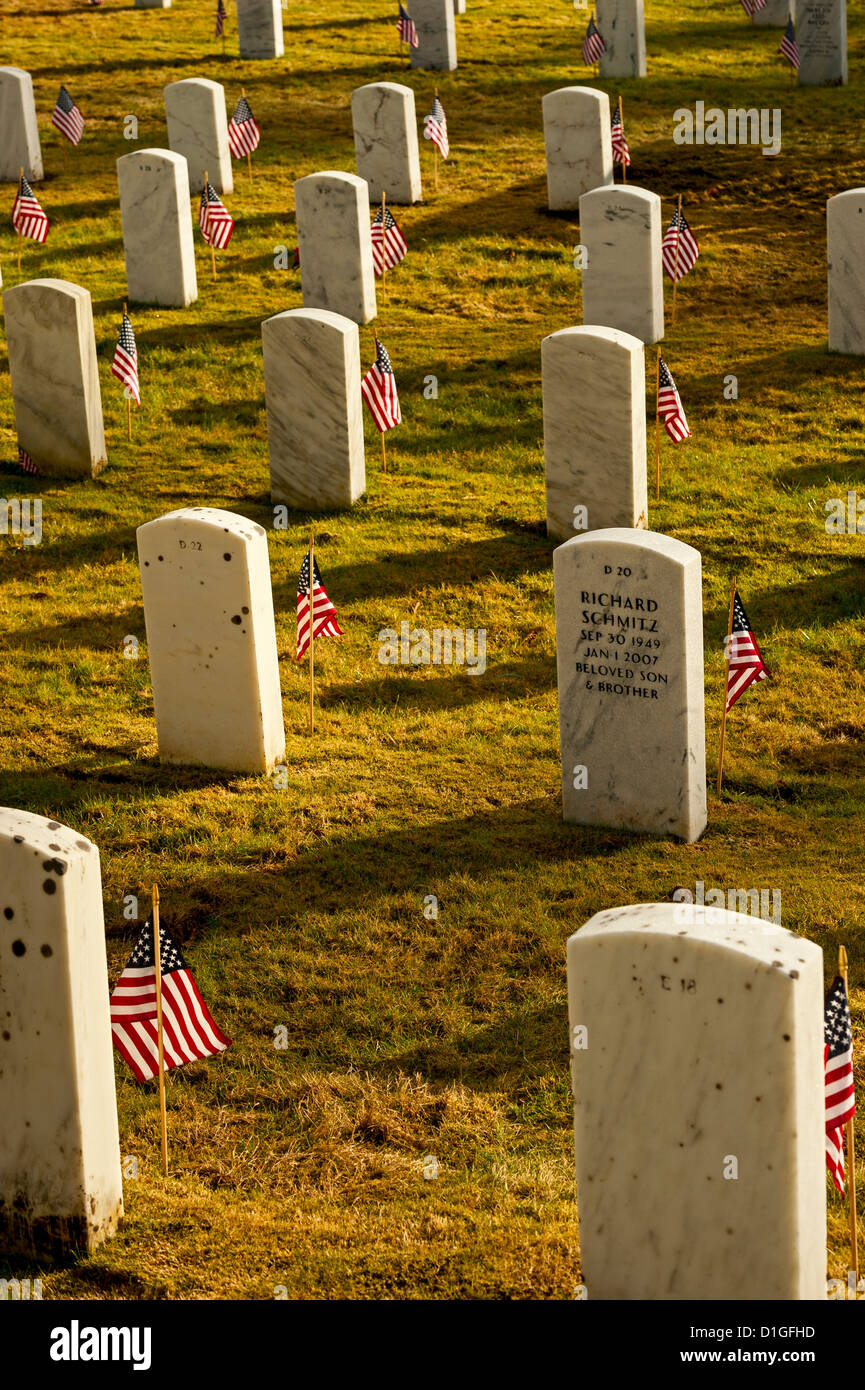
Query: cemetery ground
{"type": "Point", "coordinates": [410, 1037]}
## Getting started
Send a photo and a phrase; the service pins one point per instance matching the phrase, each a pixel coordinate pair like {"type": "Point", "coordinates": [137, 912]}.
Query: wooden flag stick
{"type": "Point", "coordinates": [157, 970]}
{"type": "Point", "coordinates": [207, 224]}
{"type": "Point", "coordinates": [20, 191]}
{"type": "Point", "coordinates": [311, 633]}
{"type": "Point", "coordinates": [851, 1151]}
{"type": "Point", "coordinates": [383, 256]}
{"type": "Point", "coordinates": [676, 264]}
{"type": "Point", "coordinates": [658, 429]}
{"type": "Point", "coordinates": [622, 127]}
{"type": "Point", "coordinates": [726, 681]}
{"type": "Point", "coordinates": [435, 154]}
{"type": "Point", "coordinates": [128, 401]}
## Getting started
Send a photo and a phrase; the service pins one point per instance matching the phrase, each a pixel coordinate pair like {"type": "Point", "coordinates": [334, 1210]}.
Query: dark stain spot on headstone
{"type": "Point", "coordinates": [19, 839]}
{"type": "Point", "coordinates": [147, 564]}
{"type": "Point", "coordinates": [6, 1036]}
{"type": "Point", "coordinates": [794, 974]}
{"type": "Point", "coordinates": [720, 1001]}
{"type": "Point", "coordinates": [748, 986]}
{"type": "Point", "coordinates": [54, 825]}
{"type": "Point", "coordinates": [786, 1037]}
{"type": "Point", "coordinates": [237, 619]}
{"type": "Point", "coordinates": [227, 555]}
{"type": "Point", "coordinates": [8, 913]}
{"type": "Point", "coordinates": [46, 950]}
{"type": "Point", "coordinates": [18, 947]}
{"type": "Point", "coordinates": [259, 530]}
{"type": "Point", "coordinates": [244, 610]}
{"type": "Point", "coordinates": [160, 557]}
{"type": "Point", "coordinates": [675, 960]}
{"type": "Point", "coordinates": [718, 1086]}
{"type": "Point", "coordinates": [758, 1099]}
{"type": "Point", "coordinates": [83, 844]}
{"type": "Point", "coordinates": [49, 886]}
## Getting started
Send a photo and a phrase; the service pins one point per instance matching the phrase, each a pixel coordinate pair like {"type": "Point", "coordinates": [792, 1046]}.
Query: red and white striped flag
{"type": "Point", "coordinates": [388, 243]}
{"type": "Point", "coordinates": [789, 48]}
{"type": "Point", "coordinates": [679, 234]}
{"type": "Point", "coordinates": [67, 118]}
{"type": "Point", "coordinates": [214, 219]}
{"type": "Point", "coordinates": [621, 153]}
{"type": "Point", "coordinates": [752, 7]}
{"type": "Point", "coordinates": [745, 662]}
{"type": "Point", "coordinates": [25, 462]}
{"type": "Point", "coordinates": [378, 389]}
{"type": "Point", "coordinates": [188, 1031]}
{"type": "Point", "coordinates": [243, 132]}
{"type": "Point", "coordinates": [838, 1070]}
{"type": "Point", "coordinates": [407, 29]}
{"type": "Point", "coordinates": [670, 405]}
{"type": "Point", "coordinates": [221, 16]}
{"type": "Point", "coordinates": [125, 364]}
{"type": "Point", "coordinates": [594, 47]}
{"type": "Point", "coordinates": [326, 624]}
{"type": "Point", "coordinates": [28, 219]}
{"type": "Point", "coordinates": [435, 128]}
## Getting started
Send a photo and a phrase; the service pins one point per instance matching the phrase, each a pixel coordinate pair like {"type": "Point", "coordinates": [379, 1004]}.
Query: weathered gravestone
{"type": "Point", "coordinates": [198, 129]}
{"type": "Point", "coordinates": [845, 241]}
{"type": "Point", "coordinates": [333, 234]}
{"type": "Point", "coordinates": [623, 287]}
{"type": "Point", "coordinates": [208, 608]}
{"type": "Point", "coordinates": [385, 141]}
{"type": "Point", "coordinates": [157, 228]}
{"type": "Point", "coordinates": [19, 132]}
{"type": "Point", "coordinates": [594, 387]}
{"type": "Point", "coordinates": [436, 32]}
{"type": "Point", "coordinates": [821, 33]}
{"type": "Point", "coordinates": [774, 14]}
{"type": "Point", "coordinates": [697, 1074]}
{"type": "Point", "coordinates": [578, 144]}
{"type": "Point", "coordinates": [259, 29]}
{"type": "Point", "coordinates": [314, 412]}
{"type": "Point", "coordinates": [55, 377]}
{"type": "Point", "coordinates": [152, 4]}
{"type": "Point", "coordinates": [60, 1182]}
{"type": "Point", "coordinates": [629, 651]}
{"type": "Point", "coordinates": [623, 30]}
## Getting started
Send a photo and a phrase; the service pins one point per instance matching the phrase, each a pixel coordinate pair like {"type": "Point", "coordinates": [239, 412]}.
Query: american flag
{"type": "Point", "coordinates": [745, 662]}
{"type": "Point", "coordinates": [679, 234]}
{"type": "Point", "coordinates": [125, 364]}
{"type": "Point", "coordinates": [751, 7]}
{"type": "Point", "coordinates": [221, 16]}
{"type": "Point", "coordinates": [621, 153]}
{"type": "Point", "coordinates": [378, 388]}
{"type": "Point", "coordinates": [593, 44]}
{"type": "Point", "coordinates": [188, 1031]}
{"type": "Point", "coordinates": [243, 132]}
{"type": "Point", "coordinates": [406, 26]}
{"type": "Point", "coordinates": [838, 1066]}
{"type": "Point", "coordinates": [326, 624]}
{"type": "Point", "coordinates": [670, 405]}
{"type": "Point", "coordinates": [28, 219]}
{"type": "Point", "coordinates": [214, 219]}
{"type": "Point", "coordinates": [388, 246]}
{"type": "Point", "coordinates": [435, 128]}
{"type": "Point", "coordinates": [789, 48]}
{"type": "Point", "coordinates": [25, 462]}
{"type": "Point", "coordinates": [67, 118]}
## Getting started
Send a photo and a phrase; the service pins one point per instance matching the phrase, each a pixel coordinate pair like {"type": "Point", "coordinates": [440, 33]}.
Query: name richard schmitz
{"type": "Point", "coordinates": [623, 645]}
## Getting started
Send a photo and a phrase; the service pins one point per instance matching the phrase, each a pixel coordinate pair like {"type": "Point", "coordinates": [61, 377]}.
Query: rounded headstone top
{"type": "Point", "coordinates": [193, 82]}
{"type": "Point", "coordinates": [855, 194]}
{"type": "Point", "coordinates": [334, 176]}
{"type": "Point", "coordinates": [326, 317]}
{"type": "Point", "coordinates": [17, 73]}
{"type": "Point", "coordinates": [163, 156]}
{"type": "Point", "coordinates": [398, 87]}
{"type": "Point", "coordinates": [62, 287]}
{"type": "Point", "coordinates": [593, 332]}
{"type": "Point", "coordinates": [643, 542]}
{"type": "Point", "coordinates": [229, 523]}
{"type": "Point", "coordinates": [44, 836]}
{"type": "Point", "coordinates": [621, 195]}
{"type": "Point", "coordinates": [565, 95]}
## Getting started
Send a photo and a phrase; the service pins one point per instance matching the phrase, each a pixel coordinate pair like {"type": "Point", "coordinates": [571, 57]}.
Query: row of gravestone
{"type": "Point", "coordinates": [259, 25]}
{"type": "Point", "coordinates": [696, 1069]}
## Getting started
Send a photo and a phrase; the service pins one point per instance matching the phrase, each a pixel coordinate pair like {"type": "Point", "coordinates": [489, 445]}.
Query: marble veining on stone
{"type": "Point", "coordinates": [623, 30]}
{"type": "Point", "coordinates": [259, 29]}
{"type": "Point", "coordinates": [157, 228]}
{"type": "Point", "coordinates": [198, 129]}
{"type": "Point", "coordinates": [578, 144]}
{"type": "Point", "coordinates": [333, 233]}
{"type": "Point", "coordinates": [436, 31]}
{"type": "Point", "coordinates": [845, 239]}
{"type": "Point", "coordinates": [19, 132]}
{"type": "Point", "coordinates": [620, 228]}
{"type": "Point", "coordinates": [386, 142]}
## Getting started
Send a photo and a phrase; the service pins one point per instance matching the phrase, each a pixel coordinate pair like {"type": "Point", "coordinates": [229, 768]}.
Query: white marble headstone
{"type": "Point", "coordinates": [594, 386]}
{"type": "Point", "coordinates": [198, 129]}
{"type": "Point", "coordinates": [208, 608]}
{"type": "Point", "coordinates": [845, 239]}
{"type": "Point", "coordinates": [152, 4]}
{"type": "Point", "coordinates": [157, 228]}
{"type": "Point", "coordinates": [55, 377]}
{"type": "Point", "coordinates": [629, 652]}
{"type": "Point", "coordinates": [459, 6]}
{"type": "Point", "coordinates": [821, 33]}
{"type": "Point", "coordinates": [314, 410]}
{"type": "Point", "coordinates": [60, 1182]}
{"type": "Point", "coordinates": [436, 32]}
{"type": "Point", "coordinates": [19, 132]}
{"type": "Point", "coordinates": [385, 141]}
{"type": "Point", "coordinates": [697, 1074]}
{"type": "Point", "coordinates": [623, 285]}
{"type": "Point", "coordinates": [623, 30]}
{"type": "Point", "coordinates": [774, 14]}
{"type": "Point", "coordinates": [335, 244]}
{"type": "Point", "coordinates": [578, 144]}
{"type": "Point", "coordinates": [259, 28]}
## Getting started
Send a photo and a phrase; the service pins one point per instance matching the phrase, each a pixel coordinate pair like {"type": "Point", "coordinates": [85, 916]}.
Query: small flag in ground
{"type": "Point", "coordinates": [593, 44]}
{"type": "Point", "coordinates": [435, 128]}
{"type": "Point", "coordinates": [25, 462]}
{"type": "Point", "coordinates": [679, 234]}
{"type": "Point", "coordinates": [326, 624]}
{"type": "Point", "coordinates": [214, 219]}
{"type": "Point", "coordinates": [378, 389]}
{"type": "Point", "coordinates": [745, 662]}
{"type": "Point", "coordinates": [243, 132]}
{"type": "Point", "coordinates": [838, 1069]}
{"type": "Point", "coordinates": [28, 219]}
{"type": "Point", "coordinates": [621, 153]}
{"type": "Point", "coordinates": [388, 243]}
{"type": "Point", "coordinates": [406, 26]}
{"type": "Point", "coordinates": [789, 48]}
{"type": "Point", "coordinates": [125, 364]}
{"type": "Point", "coordinates": [670, 405]}
{"type": "Point", "coordinates": [67, 118]}
{"type": "Point", "coordinates": [752, 7]}
{"type": "Point", "coordinates": [188, 1031]}
{"type": "Point", "coordinates": [221, 16]}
